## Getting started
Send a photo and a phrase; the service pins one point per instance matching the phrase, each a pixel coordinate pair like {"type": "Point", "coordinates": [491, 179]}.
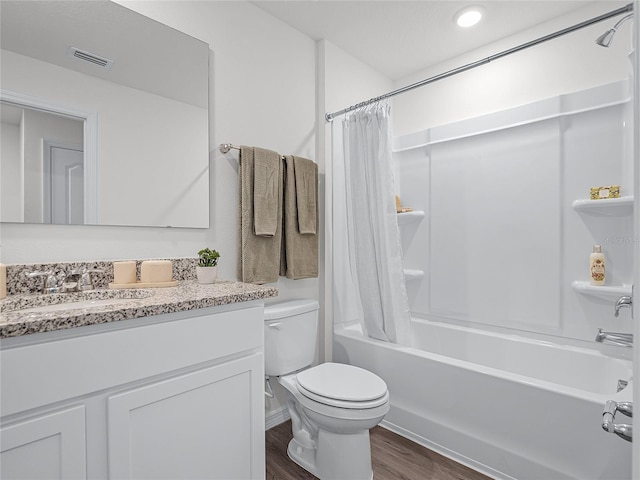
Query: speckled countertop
{"type": "Point", "coordinates": [134, 303]}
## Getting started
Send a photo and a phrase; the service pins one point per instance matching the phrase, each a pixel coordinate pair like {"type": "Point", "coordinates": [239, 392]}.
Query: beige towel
{"type": "Point", "coordinates": [299, 258]}
{"type": "Point", "coordinates": [267, 186]}
{"type": "Point", "coordinates": [306, 173]}
{"type": "Point", "coordinates": [259, 258]}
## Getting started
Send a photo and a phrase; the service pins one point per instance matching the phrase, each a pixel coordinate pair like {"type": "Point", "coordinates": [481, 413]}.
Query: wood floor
{"type": "Point", "coordinates": [393, 458]}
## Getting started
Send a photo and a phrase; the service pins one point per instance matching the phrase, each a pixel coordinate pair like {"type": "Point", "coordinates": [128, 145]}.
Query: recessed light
{"type": "Point", "coordinates": [468, 16]}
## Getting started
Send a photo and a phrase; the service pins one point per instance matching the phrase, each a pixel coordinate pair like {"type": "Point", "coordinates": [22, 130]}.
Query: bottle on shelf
{"type": "Point", "coordinates": [597, 266]}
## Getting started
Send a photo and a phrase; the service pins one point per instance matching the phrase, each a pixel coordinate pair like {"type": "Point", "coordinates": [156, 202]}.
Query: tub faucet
{"type": "Point", "coordinates": [613, 338]}
{"type": "Point", "coordinates": [624, 301]}
{"type": "Point", "coordinates": [609, 424]}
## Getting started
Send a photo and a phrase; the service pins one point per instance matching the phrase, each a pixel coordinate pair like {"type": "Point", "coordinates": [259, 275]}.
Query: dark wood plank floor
{"type": "Point", "coordinates": [393, 458]}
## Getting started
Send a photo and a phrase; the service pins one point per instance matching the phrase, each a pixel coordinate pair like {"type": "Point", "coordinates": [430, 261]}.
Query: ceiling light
{"type": "Point", "coordinates": [468, 16]}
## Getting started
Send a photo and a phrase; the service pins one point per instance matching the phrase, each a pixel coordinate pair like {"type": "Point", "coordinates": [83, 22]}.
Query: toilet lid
{"type": "Point", "coordinates": [337, 381]}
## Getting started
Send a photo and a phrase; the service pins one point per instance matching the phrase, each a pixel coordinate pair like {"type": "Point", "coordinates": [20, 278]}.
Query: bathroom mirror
{"type": "Point", "coordinates": [104, 117]}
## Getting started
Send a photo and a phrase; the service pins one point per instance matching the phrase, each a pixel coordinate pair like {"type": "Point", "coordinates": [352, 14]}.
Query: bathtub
{"type": "Point", "coordinates": [507, 406]}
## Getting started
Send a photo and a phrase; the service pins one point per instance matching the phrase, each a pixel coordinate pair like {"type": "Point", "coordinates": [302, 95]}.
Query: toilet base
{"type": "Point", "coordinates": [303, 456]}
{"type": "Point", "coordinates": [328, 460]}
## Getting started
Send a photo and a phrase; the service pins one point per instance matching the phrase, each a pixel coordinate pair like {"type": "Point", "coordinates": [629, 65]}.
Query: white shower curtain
{"type": "Point", "coordinates": [369, 288]}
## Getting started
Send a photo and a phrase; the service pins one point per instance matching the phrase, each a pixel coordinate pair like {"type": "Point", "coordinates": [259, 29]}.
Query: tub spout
{"type": "Point", "coordinates": [613, 338]}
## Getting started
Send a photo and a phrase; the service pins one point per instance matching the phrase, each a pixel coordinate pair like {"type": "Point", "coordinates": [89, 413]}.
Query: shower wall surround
{"type": "Point", "coordinates": [501, 242]}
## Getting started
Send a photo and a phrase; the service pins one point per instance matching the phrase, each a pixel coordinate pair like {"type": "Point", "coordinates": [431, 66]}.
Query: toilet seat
{"type": "Point", "coordinates": [352, 411]}
{"type": "Point", "coordinates": [342, 386]}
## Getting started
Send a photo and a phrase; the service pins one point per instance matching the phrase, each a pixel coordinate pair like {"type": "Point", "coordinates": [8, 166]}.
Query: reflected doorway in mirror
{"type": "Point", "coordinates": [63, 184]}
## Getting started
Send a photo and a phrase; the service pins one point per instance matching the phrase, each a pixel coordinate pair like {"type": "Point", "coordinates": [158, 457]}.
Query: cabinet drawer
{"type": "Point", "coordinates": [44, 373]}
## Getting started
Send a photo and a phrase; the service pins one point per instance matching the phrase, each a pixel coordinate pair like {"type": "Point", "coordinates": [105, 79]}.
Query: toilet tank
{"type": "Point", "coordinates": [290, 335]}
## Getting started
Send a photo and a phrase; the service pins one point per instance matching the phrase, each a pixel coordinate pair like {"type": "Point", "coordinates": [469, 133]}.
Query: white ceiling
{"type": "Point", "coordinates": [401, 37]}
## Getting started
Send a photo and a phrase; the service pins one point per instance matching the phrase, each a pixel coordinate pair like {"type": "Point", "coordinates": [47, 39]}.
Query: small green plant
{"type": "Point", "coordinates": [208, 257]}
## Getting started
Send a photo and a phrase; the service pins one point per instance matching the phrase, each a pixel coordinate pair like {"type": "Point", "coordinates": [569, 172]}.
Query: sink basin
{"type": "Point", "coordinates": [71, 301]}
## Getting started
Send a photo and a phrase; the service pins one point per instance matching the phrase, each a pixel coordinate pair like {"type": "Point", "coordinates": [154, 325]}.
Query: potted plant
{"type": "Point", "coordinates": [207, 268]}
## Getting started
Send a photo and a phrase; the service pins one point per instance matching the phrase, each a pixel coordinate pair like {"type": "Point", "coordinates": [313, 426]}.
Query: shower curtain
{"type": "Point", "coordinates": [369, 288]}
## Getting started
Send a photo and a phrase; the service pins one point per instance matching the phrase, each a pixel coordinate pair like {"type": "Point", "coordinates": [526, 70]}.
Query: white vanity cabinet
{"type": "Point", "coordinates": [169, 396]}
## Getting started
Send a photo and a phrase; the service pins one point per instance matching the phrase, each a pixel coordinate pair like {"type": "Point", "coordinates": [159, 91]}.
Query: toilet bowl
{"type": "Point", "coordinates": [332, 406]}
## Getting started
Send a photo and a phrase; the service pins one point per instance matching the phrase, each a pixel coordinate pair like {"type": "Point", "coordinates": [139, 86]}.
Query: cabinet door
{"type": "Point", "coordinates": [205, 424]}
{"type": "Point", "coordinates": [51, 446]}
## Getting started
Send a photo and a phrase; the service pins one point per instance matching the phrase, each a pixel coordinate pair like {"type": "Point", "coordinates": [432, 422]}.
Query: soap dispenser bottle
{"type": "Point", "coordinates": [597, 266]}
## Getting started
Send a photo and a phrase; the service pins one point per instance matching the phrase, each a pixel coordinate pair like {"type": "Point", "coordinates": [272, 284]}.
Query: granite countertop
{"type": "Point", "coordinates": [134, 303]}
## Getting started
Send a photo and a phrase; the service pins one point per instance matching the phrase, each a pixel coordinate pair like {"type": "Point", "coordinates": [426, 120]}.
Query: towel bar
{"type": "Point", "coordinates": [225, 147]}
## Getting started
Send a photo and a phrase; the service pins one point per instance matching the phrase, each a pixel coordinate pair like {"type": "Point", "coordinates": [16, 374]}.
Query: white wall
{"type": "Point", "coordinates": [347, 80]}
{"type": "Point", "coordinates": [566, 64]}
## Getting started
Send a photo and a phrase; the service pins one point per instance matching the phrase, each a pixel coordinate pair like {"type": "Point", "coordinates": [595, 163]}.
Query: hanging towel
{"type": "Point", "coordinates": [306, 177]}
{"type": "Point", "coordinates": [267, 175]}
{"type": "Point", "coordinates": [299, 257]}
{"type": "Point", "coordinates": [259, 258]}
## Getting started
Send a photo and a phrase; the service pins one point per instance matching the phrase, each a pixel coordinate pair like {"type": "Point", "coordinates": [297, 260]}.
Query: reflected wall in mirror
{"type": "Point", "coordinates": [119, 142]}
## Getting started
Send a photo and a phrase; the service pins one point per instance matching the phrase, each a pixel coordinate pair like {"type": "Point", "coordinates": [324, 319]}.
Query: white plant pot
{"type": "Point", "coordinates": [207, 274]}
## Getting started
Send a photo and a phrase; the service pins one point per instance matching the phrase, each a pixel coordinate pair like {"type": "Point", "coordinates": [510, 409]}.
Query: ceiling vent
{"type": "Point", "coordinates": [90, 57]}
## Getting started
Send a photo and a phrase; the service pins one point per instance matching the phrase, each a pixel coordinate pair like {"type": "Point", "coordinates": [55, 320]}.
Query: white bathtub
{"type": "Point", "coordinates": [505, 405]}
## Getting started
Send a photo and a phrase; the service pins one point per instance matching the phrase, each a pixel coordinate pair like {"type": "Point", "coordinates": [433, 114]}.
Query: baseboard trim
{"type": "Point", "coordinates": [276, 417]}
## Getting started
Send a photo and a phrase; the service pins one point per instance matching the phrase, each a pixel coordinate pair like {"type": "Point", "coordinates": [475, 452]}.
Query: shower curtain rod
{"type": "Point", "coordinates": [627, 8]}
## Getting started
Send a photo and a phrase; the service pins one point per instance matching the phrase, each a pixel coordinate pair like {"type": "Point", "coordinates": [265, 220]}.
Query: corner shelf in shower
{"type": "Point", "coordinates": [413, 274]}
{"type": "Point", "coordinates": [606, 206]}
{"type": "Point", "coordinates": [606, 292]}
{"type": "Point", "coordinates": [409, 217]}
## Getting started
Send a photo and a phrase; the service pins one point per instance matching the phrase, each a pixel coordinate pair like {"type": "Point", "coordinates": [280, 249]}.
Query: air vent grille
{"type": "Point", "coordinates": [90, 57]}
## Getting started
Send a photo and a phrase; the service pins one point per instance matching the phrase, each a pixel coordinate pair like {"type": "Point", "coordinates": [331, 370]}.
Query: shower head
{"type": "Point", "coordinates": [606, 38]}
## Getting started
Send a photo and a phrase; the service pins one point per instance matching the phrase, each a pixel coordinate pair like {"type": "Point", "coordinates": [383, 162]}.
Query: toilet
{"type": "Point", "coordinates": [332, 405]}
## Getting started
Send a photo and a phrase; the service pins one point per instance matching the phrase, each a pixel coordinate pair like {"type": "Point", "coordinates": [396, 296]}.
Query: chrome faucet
{"type": "Point", "coordinates": [72, 281]}
{"type": "Point", "coordinates": [623, 430]}
{"type": "Point", "coordinates": [86, 282]}
{"type": "Point", "coordinates": [80, 279]}
{"type": "Point", "coordinates": [51, 282]}
{"type": "Point", "coordinates": [76, 280]}
{"type": "Point", "coordinates": [624, 301]}
{"type": "Point", "coordinates": [613, 338]}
